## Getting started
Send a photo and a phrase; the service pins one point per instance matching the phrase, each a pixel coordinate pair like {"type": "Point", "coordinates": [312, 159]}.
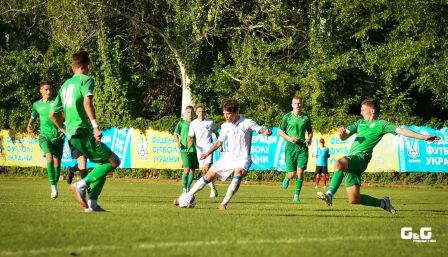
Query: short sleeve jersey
{"type": "Point", "coordinates": [238, 136]}
{"type": "Point", "coordinates": [70, 100]}
{"type": "Point", "coordinates": [181, 130]}
{"type": "Point", "coordinates": [369, 134]}
{"type": "Point", "coordinates": [47, 128]}
{"type": "Point", "coordinates": [296, 127]}
{"type": "Point", "coordinates": [202, 132]}
{"type": "Point", "coordinates": [322, 157]}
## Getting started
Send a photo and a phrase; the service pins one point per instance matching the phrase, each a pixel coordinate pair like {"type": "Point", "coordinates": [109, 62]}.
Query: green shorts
{"type": "Point", "coordinates": [53, 146]}
{"type": "Point", "coordinates": [357, 164]}
{"type": "Point", "coordinates": [296, 158]}
{"type": "Point", "coordinates": [189, 160]}
{"type": "Point", "coordinates": [95, 151]}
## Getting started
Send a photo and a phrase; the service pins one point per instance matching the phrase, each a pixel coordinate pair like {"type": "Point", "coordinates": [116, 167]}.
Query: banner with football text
{"type": "Point", "coordinates": [419, 155]}
{"type": "Point", "coordinates": [158, 150]}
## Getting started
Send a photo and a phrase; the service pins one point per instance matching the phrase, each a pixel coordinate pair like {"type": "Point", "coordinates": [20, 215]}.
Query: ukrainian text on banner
{"type": "Point", "coordinates": [384, 157]}
{"type": "Point", "coordinates": [20, 150]}
{"type": "Point", "coordinates": [155, 149]}
{"type": "Point", "coordinates": [118, 140]}
{"type": "Point", "coordinates": [268, 153]}
{"type": "Point", "coordinates": [419, 155]}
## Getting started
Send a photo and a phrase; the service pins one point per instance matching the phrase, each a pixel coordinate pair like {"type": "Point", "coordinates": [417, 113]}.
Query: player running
{"type": "Point", "coordinates": [75, 99]}
{"type": "Point", "coordinates": [51, 140]}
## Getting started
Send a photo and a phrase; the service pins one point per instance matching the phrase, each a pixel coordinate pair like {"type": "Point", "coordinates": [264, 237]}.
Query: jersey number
{"type": "Point", "coordinates": [67, 95]}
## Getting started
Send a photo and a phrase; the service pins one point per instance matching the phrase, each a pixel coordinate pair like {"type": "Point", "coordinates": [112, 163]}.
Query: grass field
{"type": "Point", "coordinates": [260, 221]}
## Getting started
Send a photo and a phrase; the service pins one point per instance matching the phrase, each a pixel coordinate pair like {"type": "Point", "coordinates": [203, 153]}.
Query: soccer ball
{"type": "Point", "coordinates": [187, 201]}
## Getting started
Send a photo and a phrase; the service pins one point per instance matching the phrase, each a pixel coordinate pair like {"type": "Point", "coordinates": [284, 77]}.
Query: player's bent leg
{"type": "Point", "coordinates": [233, 187]}
{"type": "Point", "coordinates": [203, 181]}
{"type": "Point", "coordinates": [340, 167]}
{"type": "Point", "coordinates": [354, 195]}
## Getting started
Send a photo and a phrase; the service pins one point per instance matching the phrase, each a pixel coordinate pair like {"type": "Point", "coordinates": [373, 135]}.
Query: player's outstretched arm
{"type": "Point", "coordinates": [343, 133]}
{"type": "Point", "coordinates": [409, 133]}
{"type": "Point", "coordinates": [265, 131]}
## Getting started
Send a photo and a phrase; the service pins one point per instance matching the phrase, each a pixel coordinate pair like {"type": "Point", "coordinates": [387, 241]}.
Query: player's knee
{"type": "Point", "coordinates": [354, 200]}
{"type": "Point", "coordinates": [115, 161]}
{"type": "Point", "coordinates": [340, 164]}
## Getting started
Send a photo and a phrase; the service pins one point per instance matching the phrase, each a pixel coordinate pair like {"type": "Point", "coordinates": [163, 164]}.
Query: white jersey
{"type": "Point", "coordinates": [202, 131]}
{"type": "Point", "coordinates": [239, 137]}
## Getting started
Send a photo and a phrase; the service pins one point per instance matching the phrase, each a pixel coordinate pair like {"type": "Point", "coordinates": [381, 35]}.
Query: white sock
{"type": "Point", "coordinates": [211, 185]}
{"type": "Point", "coordinates": [81, 184]}
{"type": "Point", "coordinates": [198, 186]}
{"type": "Point", "coordinates": [54, 188]}
{"type": "Point", "coordinates": [231, 190]}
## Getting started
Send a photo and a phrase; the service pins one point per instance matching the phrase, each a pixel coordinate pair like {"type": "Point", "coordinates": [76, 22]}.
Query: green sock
{"type": "Point", "coordinates": [96, 188]}
{"type": "Point", "coordinates": [57, 173]}
{"type": "Point", "coordinates": [184, 180]}
{"type": "Point", "coordinates": [50, 172]}
{"type": "Point", "coordinates": [190, 179]}
{"type": "Point", "coordinates": [370, 201]}
{"type": "Point", "coordinates": [286, 177]}
{"type": "Point", "coordinates": [99, 172]}
{"type": "Point", "coordinates": [336, 181]}
{"type": "Point", "coordinates": [299, 182]}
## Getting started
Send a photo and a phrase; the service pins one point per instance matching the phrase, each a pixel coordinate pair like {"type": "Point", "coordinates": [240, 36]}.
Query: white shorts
{"type": "Point", "coordinates": [227, 165]}
{"type": "Point", "coordinates": [201, 150]}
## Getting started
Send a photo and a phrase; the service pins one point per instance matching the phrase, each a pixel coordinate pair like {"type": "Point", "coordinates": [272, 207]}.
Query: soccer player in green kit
{"type": "Point", "coordinates": [75, 99]}
{"type": "Point", "coordinates": [292, 128]}
{"type": "Point", "coordinates": [51, 140]}
{"type": "Point", "coordinates": [188, 154]}
{"type": "Point", "coordinates": [369, 132]}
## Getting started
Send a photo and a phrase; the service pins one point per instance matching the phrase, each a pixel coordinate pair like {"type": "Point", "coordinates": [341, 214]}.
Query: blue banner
{"type": "Point", "coordinates": [419, 155]}
{"type": "Point", "coordinates": [118, 140]}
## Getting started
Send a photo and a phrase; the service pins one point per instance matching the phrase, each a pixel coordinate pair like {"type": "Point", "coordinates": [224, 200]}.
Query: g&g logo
{"type": "Point", "coordinates": [424, 235]}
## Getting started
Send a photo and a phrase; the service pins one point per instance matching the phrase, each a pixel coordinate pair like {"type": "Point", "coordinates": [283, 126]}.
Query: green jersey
{"type": "Point", "coordinates": [47, 128]}
{"type": "Point", "coordinates": [369, 134]}
{"type": "Point", "coordinates": [295, 127]}
{"type": "Point", "coordinates": [182, 129]}
{"type": "Point", "coordinates": [70, 100]}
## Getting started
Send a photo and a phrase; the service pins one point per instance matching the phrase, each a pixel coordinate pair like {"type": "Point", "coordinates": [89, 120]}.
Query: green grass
{"type": "Point", "coordinates": [260, 221]}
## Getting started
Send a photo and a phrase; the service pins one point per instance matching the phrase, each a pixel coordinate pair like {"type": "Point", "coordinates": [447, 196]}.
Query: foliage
{"type": "Point", "coordinates": [333, 53]}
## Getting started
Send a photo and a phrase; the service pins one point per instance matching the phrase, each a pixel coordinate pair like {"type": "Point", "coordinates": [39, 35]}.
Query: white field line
{"type": "Point", "coordinates": [144, 246]}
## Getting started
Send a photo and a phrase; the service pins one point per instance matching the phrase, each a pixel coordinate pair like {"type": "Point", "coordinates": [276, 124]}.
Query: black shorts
{"type": "Point", "coordinates": [73, 151]}
{"type": "Point", "coordinates": [321, 170]}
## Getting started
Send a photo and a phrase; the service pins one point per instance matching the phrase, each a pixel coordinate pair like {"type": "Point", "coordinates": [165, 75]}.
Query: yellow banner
{"type": "Point", "coordinates": [384, 156]}
{"type": "Point", "coordinates": [155, 149]}
{"type": "Point", "coordinates": [20, 150]}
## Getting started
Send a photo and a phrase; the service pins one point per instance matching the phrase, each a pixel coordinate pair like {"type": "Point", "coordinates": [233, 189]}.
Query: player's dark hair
{"type": "Point", "coordinates": [372, 103]}
{"type": "Point", "coordinates": [80, 59]}
{"type": "Point", "coordinates": [189, 107]}
{"type": "Point", "coordinates": [231, 105]}
{"type": "Point", "coordinates": [43, 83]}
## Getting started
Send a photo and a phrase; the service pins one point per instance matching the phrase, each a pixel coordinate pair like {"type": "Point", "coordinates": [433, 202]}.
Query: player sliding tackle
{"type": "Point", "coordinates": [369, 131]}
{"type": "Point", "coordinates": [237, 130]}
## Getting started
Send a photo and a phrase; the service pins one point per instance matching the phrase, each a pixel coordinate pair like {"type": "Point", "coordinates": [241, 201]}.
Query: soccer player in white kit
{"type": "Point", "coordinates": [201, 131]}
{"type": "Point", "coordinates": [237, 131]}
